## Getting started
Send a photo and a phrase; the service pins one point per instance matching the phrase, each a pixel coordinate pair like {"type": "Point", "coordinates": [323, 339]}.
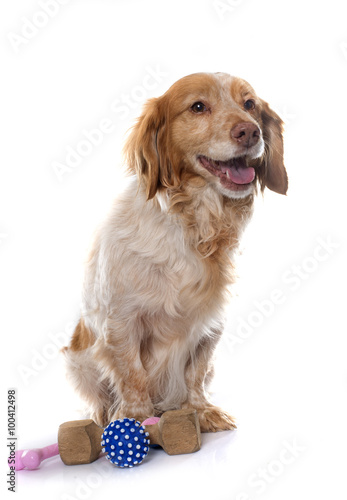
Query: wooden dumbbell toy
{"type": "Point", "coordinates": [125, 441]}
{"type": "Point", "coordinates": [177, 432]}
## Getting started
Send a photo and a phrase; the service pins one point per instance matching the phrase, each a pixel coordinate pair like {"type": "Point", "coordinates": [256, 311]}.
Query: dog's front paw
{"type": "Point", "coordinates": [100, 417]}
{"type": "Point", "coordinates": [139, 414]}
{"type": "Point", "coordinates": [214, 419]}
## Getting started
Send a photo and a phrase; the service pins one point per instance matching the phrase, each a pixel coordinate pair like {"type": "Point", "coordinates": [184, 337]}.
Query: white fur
{"type": "Point", "coordinates": [139, 267]}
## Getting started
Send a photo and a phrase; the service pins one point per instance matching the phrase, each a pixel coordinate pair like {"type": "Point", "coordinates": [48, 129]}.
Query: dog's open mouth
{"type": "Point", "coordinates": [234, 173]}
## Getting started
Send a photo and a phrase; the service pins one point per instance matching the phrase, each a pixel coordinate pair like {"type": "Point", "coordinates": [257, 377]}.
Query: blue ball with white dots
{"type": "Point", "coordinates": [125, 442]}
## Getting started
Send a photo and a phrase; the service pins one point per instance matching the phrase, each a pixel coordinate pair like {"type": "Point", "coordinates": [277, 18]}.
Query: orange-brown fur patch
{"type": "Point", "coordinates": [82, 337]}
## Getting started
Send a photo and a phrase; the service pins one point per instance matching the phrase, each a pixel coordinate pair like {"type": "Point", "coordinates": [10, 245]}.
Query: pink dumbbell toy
{"type": "Point", "coordinates": [31, 459]}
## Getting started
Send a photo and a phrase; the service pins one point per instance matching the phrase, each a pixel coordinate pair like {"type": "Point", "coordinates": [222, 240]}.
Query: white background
{"type": "Point", "coordinates": [281, 367]}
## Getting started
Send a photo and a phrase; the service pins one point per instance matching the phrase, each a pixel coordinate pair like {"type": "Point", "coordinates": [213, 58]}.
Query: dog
{"type": "Point", "coordinates": [157, 277]}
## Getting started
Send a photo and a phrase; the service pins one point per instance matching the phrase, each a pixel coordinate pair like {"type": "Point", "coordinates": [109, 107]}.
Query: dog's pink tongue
{"type": "Point", "coordinates": [241, 175]}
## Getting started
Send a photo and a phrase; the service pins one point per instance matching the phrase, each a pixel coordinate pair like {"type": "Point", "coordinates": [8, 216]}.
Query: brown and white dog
{"type": "Point", "coordinates": [157, 276]}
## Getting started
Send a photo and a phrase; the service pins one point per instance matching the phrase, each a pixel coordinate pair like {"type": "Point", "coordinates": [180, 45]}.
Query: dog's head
{"type": "Point", "coordinates": [213, 127]}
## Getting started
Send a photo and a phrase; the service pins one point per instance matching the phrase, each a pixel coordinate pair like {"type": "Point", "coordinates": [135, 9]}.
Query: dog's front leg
{"type": "Point", "coordinates": [119, 359]}
{"type": "Point", "coordinates": [198, 375]}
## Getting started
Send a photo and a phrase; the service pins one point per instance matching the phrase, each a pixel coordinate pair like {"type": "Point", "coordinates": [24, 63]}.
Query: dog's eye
{"type": "Point", "coordinates": [249, 105]}
{"type": "Point", "coordinates": [198, 107]}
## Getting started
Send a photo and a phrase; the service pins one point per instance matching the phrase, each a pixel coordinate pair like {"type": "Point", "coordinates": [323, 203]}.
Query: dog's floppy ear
{"type": "Point", "coordinates": [147, 149]}
{"type": "Point", "coordinates": [274, 174]}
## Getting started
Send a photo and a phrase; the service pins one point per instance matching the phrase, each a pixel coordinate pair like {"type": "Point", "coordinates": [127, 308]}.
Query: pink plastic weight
{"type": "Point", "coordinates": [31, 459]}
